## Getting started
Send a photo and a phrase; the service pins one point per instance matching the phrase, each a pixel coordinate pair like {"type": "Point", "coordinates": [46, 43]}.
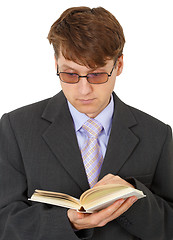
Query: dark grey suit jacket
{"type": "Point", "coordinates": [39, 150]}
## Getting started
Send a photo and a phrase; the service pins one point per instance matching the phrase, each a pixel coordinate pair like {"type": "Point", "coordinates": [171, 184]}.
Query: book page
{"type": "Point", "coordinates": [97, 206]}
{"type": "Point", "coordinates": [98, 192]}
{"type": "Point", "coordinates": [58, 199]}
{"type": "Point", "coordinates": [105, 196]}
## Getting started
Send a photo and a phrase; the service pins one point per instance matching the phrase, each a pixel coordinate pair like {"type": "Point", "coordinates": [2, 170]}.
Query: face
{"type": "Point", "coordinates": [88, 98]}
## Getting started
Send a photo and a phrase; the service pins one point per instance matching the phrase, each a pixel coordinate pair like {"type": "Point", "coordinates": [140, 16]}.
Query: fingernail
{"type": "Point", "coordinates": [121, 201]}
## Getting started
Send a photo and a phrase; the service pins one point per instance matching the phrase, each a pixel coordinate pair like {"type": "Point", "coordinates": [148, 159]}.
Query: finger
{"type": "Point", "coordinates": [77, 219]}
{"type": "Point", "coordinates": [105, 215]}
{"type": "Point", "coordinates": [107, 212]}
{"type": "Point", "coordinates": [94, 219]}
{"type": "Point", "coordinates": [127, 204]}
{"type": "Point", "coordinates": [123, 208]}
{"type": "Point", "coordinates": [101, 218]}
{"type": "Point", "coordinates": [109, 178]}
{"type": "Point", "coordinates": [73, 215]}
{"type": "Point", "coordinates": [79, 215]}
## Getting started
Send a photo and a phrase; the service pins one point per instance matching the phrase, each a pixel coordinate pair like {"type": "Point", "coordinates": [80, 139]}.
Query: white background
{"type": "Point", "coordinates": [27, 72]}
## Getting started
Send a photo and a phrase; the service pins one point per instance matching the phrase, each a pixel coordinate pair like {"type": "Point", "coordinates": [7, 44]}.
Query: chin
{"type": "Point", "coordinates": [86, 111]}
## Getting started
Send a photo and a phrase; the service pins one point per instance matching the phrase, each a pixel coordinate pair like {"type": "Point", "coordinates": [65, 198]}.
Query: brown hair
{"type": "Point", "coordinates": [87, 36]}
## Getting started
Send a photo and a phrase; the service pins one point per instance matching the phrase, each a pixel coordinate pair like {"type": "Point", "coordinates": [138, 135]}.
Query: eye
{"type": "Point", "coordinates": [96, 75]}
{"type": "Point", "coordinates": [93, 75]}
{"type": "Point", "coordinates": [72, 74]}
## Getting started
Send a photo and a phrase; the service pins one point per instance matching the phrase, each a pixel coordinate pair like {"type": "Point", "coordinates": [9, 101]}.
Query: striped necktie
{"type": "Point", "coordinates": [91, 152]}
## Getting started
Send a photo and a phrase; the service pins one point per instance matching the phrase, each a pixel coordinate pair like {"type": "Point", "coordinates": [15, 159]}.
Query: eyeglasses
{"type": "Point", "coordinates": [93, 78]}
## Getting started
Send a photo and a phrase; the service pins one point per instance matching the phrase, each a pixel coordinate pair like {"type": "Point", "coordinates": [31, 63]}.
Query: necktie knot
{"type": "Point", "coordinates": [92, 127]}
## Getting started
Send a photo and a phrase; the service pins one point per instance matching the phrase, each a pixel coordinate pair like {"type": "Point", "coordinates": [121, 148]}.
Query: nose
{"type": "Point", "coordinates": [84, 87]}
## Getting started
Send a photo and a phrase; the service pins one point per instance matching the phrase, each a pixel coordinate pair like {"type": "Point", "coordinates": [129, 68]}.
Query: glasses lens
{"type": "Point", "coordinates": [68, 77]}
{"type": "Point", "coordinates": [97, 78]}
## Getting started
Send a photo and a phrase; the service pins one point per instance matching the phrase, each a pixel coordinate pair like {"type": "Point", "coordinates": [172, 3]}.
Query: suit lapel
{"type": "Point", "coordinates": [122, 140]}
{"type": "Point", "coordinates": [61, 138]}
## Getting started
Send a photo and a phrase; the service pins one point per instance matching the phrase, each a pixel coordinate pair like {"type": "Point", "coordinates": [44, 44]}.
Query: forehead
{"type": "Point", "coordinates": [64, 63]}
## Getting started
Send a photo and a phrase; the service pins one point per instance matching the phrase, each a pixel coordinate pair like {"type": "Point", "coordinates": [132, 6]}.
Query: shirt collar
{"type": "Point", "coordinates": [105, 117]}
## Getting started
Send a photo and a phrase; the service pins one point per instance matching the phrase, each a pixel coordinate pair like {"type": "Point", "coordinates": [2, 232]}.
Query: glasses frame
{"type": "Point", "coordinates": [86, 76]}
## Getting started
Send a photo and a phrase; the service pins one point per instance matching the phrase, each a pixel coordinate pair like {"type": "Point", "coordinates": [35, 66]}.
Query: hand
{"type": "Point", "coordinates": [85, 221]}
{"type": "Point", "coordinates": [111, 179]}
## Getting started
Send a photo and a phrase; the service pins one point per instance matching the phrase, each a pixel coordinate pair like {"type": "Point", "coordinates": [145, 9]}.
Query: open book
{"type": "Point", "coordinates": [90, 201]}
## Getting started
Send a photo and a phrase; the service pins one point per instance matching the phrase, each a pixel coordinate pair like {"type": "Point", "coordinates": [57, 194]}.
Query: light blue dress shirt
{"type": "Point", "coordinates": [105, 118]}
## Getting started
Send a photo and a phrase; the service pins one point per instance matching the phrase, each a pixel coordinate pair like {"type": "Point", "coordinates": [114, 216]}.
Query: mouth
{"type": "Point", "coordinates": [86, 101]}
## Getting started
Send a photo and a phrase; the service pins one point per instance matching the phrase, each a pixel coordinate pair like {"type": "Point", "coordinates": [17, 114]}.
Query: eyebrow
{"type": "Point", "coordinates": [90, 71]}
{"type": "Point", "coordinates": [67, 66]}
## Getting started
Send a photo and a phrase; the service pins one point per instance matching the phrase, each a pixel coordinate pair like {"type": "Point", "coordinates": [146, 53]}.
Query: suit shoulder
{"type": "Point", "coordinates": [142, 118]}
{"type": "Point", "coordinates": [29, 110]}
{"type": "Point", "coordinates": [141, 115]}
{"type": "Point", "coordinates": [148, 122]}
{"type": "Point", "coordinates": [23, 119]}
{"type": "Point", "coordinates": [36, 109]}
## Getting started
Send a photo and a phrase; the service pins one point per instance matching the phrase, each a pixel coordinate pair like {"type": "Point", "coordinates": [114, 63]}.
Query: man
{"type": "Point", "coordinates": [42, 145]}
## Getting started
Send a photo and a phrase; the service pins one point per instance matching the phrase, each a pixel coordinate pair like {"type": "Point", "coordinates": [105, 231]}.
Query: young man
{"type": "Point", "coordinates": [42, 145]}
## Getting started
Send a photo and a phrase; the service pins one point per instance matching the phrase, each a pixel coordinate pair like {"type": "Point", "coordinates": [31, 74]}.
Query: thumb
{"type": "Point", "coordinates": [73, 215]}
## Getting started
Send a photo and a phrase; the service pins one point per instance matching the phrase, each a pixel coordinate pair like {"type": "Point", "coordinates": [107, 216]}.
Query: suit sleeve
{"type": "Point", "coordinates": [19, 218]}
{"type": "Point", "coordinates": [151, 218]}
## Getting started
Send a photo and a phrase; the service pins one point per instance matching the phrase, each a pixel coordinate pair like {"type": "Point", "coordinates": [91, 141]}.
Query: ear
{"type": "Point", "coordinates": [119, 65]}
{"type": "Point", "coordinates": [56, 63]}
